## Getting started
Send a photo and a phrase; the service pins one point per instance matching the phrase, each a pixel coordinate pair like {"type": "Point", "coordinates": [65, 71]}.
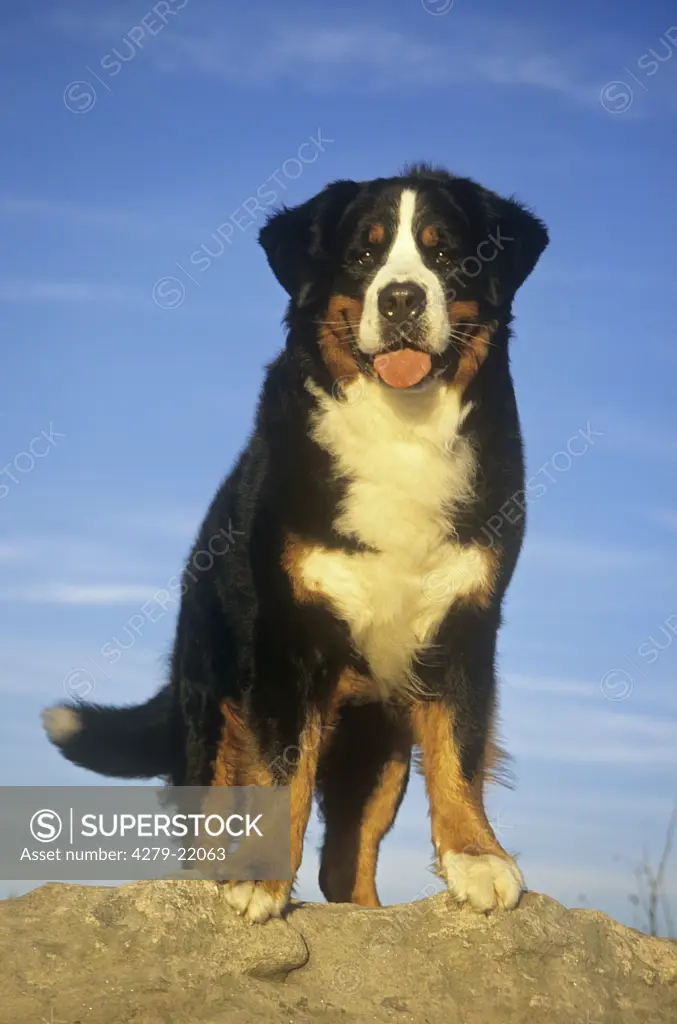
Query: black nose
{"type": "Point", "coordinates": [401, 300]}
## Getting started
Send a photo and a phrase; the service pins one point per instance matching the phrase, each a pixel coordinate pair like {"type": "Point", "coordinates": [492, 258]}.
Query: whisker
{"type": "Point", "coordinates": [349, 326]}
{"type": "Point", "coordinates": [463, 338]}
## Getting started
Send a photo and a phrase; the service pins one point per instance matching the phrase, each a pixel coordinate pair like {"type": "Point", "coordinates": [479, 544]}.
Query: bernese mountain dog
{"type": "Point", "coordinates": [354, 619]}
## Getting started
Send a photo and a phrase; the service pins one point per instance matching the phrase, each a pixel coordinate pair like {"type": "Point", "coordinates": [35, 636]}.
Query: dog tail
{"type": "Point", "coordinates": [127, 742]}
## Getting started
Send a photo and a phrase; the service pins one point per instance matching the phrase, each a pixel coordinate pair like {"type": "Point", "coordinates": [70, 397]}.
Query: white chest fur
{"type": "Point", "coordinates": [406, 468]}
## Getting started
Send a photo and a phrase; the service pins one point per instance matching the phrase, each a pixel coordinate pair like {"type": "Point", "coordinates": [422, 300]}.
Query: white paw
{"type": "Point", "coordinates": [253, 902]}
{"type": "Point", "coordinates": [484, 881]}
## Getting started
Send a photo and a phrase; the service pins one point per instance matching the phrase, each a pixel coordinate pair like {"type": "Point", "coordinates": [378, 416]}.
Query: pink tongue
{"type": "Point", "coordinates": [404, 368]}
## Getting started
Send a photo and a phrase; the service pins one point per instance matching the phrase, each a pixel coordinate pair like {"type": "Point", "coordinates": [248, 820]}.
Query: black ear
{"type": "Point", "coordinates": [295, 239]}
{"type": "Point", "coordinates": [512, 243]}
{"type": "Point", "coordinates": [523, 237]}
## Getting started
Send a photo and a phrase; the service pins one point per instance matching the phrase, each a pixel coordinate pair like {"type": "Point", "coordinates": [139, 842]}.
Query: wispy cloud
{"type": "Point", "coordinates": [322, 56]}
{"type": "Point", "coordinates": [571, 687]}
{"type": "Point", "coordinates": [182, 526]}
{"type": "Point", "coordinates": [80, 594]}
{"type": "Point", "coordinates": [572, 722]}
{"type": "Point", "coordinates": [372, 56]}
{"type": "Point", "coordinates": [584, 556]}
{"type": "Point", "coordinates": [41, 208]}
{"type": "Point", "coordinates": [59, 553]}
{"type": "Point", "coordinates": [326, 56]}
{"type": "Point", "coordinates": [34, 671]}
{"type": "Point", "coordinates": [62, 569]}
{"type": "Point", "coordinates": [545, 72]}
{"type": "Point", "coordinates": [65, 291]}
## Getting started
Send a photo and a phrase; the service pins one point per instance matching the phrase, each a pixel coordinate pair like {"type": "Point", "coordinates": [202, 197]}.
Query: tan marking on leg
{"type": "Point", "coordinates": [238, 761]}
{"type": "Point", "coordinates": [301, 788]}
{"type": "Point", "coordinates": [458, 819]}
{"type": "Point", "coordinates": [257, 901]}
{"type": "Point", "coordinates": [361, 782]}
{"type": "Point", "coordinates": [340, 325]}
{"type": "Point", "coordinates": [377, 818]}
{"type": "Point", "coordinates": [475, 866]}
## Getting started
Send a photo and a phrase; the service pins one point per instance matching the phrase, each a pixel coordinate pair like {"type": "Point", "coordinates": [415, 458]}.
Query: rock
{"type": "Point", "coordinates": [173, 951]}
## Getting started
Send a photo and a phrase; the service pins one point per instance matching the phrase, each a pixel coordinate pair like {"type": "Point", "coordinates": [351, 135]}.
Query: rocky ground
{"type": "Point", "coordinates": [173, 951]}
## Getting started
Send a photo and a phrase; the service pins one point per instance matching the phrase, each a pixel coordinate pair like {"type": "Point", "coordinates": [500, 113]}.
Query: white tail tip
{"type": "Point", "coordinates": [61, 723]}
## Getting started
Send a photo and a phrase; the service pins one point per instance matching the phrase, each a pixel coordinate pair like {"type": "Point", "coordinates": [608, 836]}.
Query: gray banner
{"type": "Point", "coordinates": [131, 833]}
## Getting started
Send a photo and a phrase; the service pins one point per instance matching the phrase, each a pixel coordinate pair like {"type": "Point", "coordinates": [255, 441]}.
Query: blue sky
{"type": "Point", "coordinates": [126, 394]}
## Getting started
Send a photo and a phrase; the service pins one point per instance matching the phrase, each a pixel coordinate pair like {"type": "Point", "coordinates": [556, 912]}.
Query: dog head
{"type": "Point", "coordinates": [405, 279]}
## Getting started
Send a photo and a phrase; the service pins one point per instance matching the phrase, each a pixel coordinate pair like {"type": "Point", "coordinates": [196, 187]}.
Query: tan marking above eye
{"type": "Point", "coordinates": [376, 234]}
{"type": "Point", "coordinates": [430, 235]}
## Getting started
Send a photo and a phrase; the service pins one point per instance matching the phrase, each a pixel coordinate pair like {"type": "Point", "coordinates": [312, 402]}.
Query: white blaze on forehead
{"type": "Point", "coordinates": [405, 263]}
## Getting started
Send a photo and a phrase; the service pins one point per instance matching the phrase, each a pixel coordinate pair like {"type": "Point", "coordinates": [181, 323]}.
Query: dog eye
{"type": "Point", "coordinates": [442, 257]}
{"type": "Point", "coordinates": [364, 258]}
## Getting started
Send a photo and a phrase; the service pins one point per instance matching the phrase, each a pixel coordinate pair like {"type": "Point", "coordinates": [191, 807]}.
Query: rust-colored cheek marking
{"type": "Point", "coordinates": [430, 235]}
{"type": "Point", "coordinates": [474, 353]}
{"type": "Point", "coordinates": [376, 234]}
{"type": "Point", "coordinates": [463, 310]}
{"type": "Point", "coordinates": [339, 326]}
